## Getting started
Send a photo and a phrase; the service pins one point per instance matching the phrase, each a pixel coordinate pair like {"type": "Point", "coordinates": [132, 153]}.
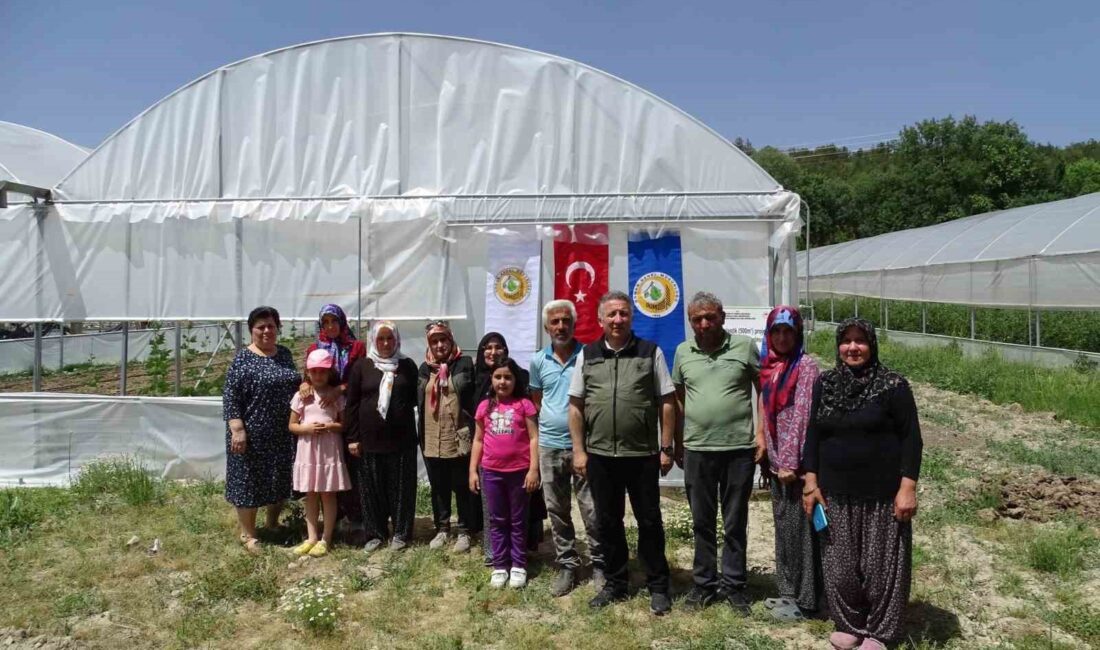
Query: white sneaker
{"type": "Point", "coordinates": [518, 579]}
{"type": "Point", "coordinates": [498, 578]}
{"type": "Point", "coordinates": [439, 540]}
{"type": "Point", "coordinates": [462, 544]}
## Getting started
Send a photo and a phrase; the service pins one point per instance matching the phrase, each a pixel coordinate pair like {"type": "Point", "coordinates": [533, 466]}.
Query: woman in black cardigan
{"type": "Point", "coordinates": [862, 459]}
{"type": "Point", "coordinates": [380, 429]}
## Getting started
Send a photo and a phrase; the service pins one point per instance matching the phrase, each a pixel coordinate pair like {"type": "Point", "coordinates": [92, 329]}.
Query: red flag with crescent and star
{"type": "Point", "coordinates": [580, 274]}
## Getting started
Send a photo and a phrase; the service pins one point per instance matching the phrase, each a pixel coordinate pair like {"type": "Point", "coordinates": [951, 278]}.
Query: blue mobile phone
{"type": "Point", "coordinates": [820, 520]}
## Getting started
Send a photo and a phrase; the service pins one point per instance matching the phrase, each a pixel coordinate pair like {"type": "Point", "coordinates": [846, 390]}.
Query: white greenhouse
{"type": "Point", "coordinates": [35, 158]}
{"type": "Point", "coordinates": [379, 172]}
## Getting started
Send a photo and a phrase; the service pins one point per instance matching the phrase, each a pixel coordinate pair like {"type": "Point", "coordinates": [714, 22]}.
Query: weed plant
{"type": "Point", "coordinates": [314, 604]}
{"type": "Point", "coordinates": [1065, 459]}
{"type": "Point", "coordinates": [1061, 550]}
{"type": "Point", "coordinates": [124, 479]}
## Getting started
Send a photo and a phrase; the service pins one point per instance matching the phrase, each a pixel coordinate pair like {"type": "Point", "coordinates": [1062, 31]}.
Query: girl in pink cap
{"type": "Point", "coordinates": [319, 468]}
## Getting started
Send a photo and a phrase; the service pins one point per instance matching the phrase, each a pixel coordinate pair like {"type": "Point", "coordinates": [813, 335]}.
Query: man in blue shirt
{"type": "Point", "coordinates": [551, 372]}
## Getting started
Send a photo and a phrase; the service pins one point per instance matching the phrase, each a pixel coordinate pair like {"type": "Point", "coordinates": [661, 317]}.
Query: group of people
{"type": "Point", "coordinates": [599, 422]}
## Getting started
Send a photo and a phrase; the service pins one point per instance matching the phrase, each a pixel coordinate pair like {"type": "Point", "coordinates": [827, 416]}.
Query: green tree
{"type": "Point", "coordinates": [1082, 177]}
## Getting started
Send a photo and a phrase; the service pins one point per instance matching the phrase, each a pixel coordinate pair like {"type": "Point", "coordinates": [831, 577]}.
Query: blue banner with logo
{"type": "Point", "coordinates": [656, 288]}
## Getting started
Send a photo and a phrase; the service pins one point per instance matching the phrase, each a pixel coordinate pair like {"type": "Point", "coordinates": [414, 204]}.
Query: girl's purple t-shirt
{"type": "Point", "coordinates": [507, 443]}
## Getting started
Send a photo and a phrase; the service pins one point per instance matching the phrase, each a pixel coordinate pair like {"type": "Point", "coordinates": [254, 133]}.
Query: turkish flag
{"type": "Point", "coordinates": [580, 274]}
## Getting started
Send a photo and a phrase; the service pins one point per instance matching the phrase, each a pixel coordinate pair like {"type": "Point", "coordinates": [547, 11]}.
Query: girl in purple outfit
{"type": "Point", "coordinates": [506, 448]}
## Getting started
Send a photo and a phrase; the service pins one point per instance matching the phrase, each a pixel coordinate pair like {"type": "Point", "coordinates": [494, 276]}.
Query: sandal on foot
{"type": "Point", "coordinates": [789, 614]}
{"type": "Point", "coordinates": [772, 603]}
{"type": "Point", "coordinates": [304, 548]}
{"type": "Point", "coordinates": [844, 641]}
{"type": "Point", "coordinates": [253, 546]}
{"type": "Point", "coordinates": [319, 549]}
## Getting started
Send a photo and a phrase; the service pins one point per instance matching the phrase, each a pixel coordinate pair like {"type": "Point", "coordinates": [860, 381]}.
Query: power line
{"type": "Point", "coordinates": [835, 140]}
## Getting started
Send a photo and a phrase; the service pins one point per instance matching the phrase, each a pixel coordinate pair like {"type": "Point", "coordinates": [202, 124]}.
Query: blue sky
{"type": "Point", "coordinates": [776, 72]}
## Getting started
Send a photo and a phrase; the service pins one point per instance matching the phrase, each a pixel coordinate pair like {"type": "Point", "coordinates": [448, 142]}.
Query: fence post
{"type": "Point", "coordinates": [972, 323]}
{"type": "Point", "coordinates": [856, 301]}
{"type": "Point", "coordinates": [885, 315]}
{"type": "Point", "coordinates": [125, 358]}
{"type": "Point", "coordinates": [923, 318]}
{"type": "Point", "coordinates": [37, 381]}
{"type": "Point", "coordinates": [179, 358]}
{"type": "Point", "coordinates": [832, 310]}
{"type": "Point", "coordinates": [1038, 329]}
{"type": "Point", "coordinates": [238, 334]}
{"type": "Point", "coordinates": [61, 347]}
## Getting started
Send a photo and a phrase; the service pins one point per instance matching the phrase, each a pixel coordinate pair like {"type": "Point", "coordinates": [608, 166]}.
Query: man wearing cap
{"type": "Point", "coordinates": [619, 392]}
{"type": "Point", "coordinates": [715, 373]}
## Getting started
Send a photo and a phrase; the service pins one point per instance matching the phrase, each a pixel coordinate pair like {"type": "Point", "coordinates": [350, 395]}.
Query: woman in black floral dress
{"type": "Point", "coordinates": [259, 447]}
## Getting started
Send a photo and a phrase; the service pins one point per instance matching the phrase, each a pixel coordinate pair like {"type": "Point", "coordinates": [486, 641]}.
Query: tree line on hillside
{"type": "Point", "coordinates": [934, 171]}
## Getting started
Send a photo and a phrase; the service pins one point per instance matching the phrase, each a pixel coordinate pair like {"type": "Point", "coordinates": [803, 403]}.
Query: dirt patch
{"type": "Point", "coordinates": [21, 639]}
{"type": "Point", "coordinates": [1041, 496]}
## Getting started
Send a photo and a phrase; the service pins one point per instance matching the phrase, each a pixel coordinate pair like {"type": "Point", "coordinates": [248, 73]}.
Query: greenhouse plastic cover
{"type": "Point", "coordinates": [1045, 255]}
{"type": "Point", "coordinates": [33, 157]}
{"type": "Point", "coordinates": [352, 171]}
{"type": "Point", "coordinates": [47, 438]}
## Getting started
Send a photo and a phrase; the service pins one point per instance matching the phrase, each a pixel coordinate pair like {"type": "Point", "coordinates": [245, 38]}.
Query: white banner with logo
{"type": "Point", "coordinates": [512, 293]}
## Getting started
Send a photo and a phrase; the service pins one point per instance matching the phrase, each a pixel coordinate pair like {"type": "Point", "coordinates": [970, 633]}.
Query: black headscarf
{"type": "Point", "coordinates": [845, 389]}
{"type": "Point", "coordinates": [483, 374]}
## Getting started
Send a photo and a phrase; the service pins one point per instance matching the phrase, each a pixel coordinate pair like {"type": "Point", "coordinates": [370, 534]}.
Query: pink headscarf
{"type": "Point", "coordinates": [442, 369]}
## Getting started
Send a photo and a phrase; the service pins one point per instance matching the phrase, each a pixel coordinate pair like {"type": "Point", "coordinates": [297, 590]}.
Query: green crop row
{"type": "Point", "coordinates": [1071, 330]}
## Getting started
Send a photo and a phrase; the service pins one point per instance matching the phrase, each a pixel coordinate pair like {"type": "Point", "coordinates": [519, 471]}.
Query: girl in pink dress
{"type": "Point", "coordinates": [319, 468]}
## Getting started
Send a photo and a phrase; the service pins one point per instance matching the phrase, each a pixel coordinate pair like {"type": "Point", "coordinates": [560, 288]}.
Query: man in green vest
{"type": "Point", "coordinates": [715, 373]}
{"type": "Point", "coordinates": [620, 390]}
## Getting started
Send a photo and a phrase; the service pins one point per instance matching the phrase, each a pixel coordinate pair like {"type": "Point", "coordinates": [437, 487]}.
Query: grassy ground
{"type": "Point", "coordinates": [986, 576]}
{"type": "Point", "coordinates": [1005, 556]}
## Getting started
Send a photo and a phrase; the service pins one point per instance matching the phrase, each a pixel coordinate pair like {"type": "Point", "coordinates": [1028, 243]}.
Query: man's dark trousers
{"type": "Point", "coordinates": [611, 479]}
{"type": "Point", "coordinates": [708, 476]}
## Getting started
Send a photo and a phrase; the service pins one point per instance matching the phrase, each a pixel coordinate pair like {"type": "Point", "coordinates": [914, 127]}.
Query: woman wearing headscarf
{"type": "Point", "coordinates": [862, 459]}
{"type": "Point", "coordinates": [787, 377]}
{"type": "Point", "coordinates": [334, 335]}
{"type": "Point", "coordinates": [380, 430]}
{"type": "Point", "coordinates": [490, 351]}
{"type": "Point", "coordinates": [445, 395]}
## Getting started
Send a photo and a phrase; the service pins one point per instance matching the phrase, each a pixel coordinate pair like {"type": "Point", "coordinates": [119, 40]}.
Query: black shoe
{"type": "Point", "coordinates": [699, 599]}
{"type": "Point", "coordinates": [606, 597]}
{"type": "Point", "coordinates": [659, 603]}
{"type": "Point", "coordinates": [738, 601]}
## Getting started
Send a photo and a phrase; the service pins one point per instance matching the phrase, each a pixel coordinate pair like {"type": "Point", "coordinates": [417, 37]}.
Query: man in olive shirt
{"type": "Point", "coordinates": [715, 373]}
{"type": "Point", "coordinates": [622, 419]}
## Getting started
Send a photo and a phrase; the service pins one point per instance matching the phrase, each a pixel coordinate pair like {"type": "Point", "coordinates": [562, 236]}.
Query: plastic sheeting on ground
{"type": "Point", "coordinates": [1043, 256]}
{"type": "Point", "coordinates": [47, 438]}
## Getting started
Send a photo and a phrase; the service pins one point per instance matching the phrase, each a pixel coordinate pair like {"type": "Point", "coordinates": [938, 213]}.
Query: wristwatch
{"type": "Point", "coordinates": [668, 450]}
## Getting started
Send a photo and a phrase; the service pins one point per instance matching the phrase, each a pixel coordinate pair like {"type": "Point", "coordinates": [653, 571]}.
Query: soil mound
{"type": "Point", "coordinates": [1043, 497]}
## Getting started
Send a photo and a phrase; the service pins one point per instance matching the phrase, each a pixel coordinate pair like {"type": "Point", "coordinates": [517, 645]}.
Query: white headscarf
{"type": "Point", "coordinates": [388, 365]}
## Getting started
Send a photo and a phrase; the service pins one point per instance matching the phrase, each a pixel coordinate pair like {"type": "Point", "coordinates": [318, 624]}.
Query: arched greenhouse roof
{"type": "Point", "coordinates": [1045, 255]}
{"type": "Point", "coordinates": [34, 157]}
{"type": "Point", "coordinates": [467, 130]}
